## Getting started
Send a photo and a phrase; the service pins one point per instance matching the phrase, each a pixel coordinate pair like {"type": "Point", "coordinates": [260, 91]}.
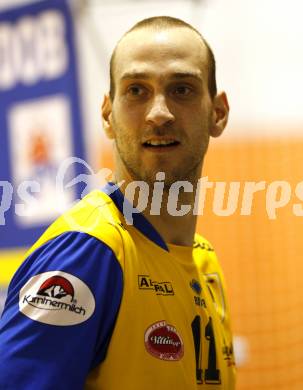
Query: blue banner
{"type": "Point", "coordinates": [40, 121]}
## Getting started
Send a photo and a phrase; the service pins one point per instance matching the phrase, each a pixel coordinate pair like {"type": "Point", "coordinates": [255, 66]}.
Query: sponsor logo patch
{"type": "Point", "coordinates": [163, 341]}
{"type": "Point", "coordinates": [204, 246]}
{"type": "Point", "coordinates": [196, 286]}
{"type": "Point", "coordinates": [228, 354]}
{"type": "Point", "coordinates": [160, 288]}
{"type": "Point", "coordinates": [197, 289]}
{"type": "Point", "coordinates": [216, 292]}
{"type": "Point", "coordinates": [199, 302]}
{"type": "Point", "coordinates": [56, 298]}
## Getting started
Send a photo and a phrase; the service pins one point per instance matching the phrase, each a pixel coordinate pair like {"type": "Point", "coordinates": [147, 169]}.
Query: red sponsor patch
{"type": "Point", "coordinates": [57, 287]}
{"type": "Point", "coordinates": [163, 341]}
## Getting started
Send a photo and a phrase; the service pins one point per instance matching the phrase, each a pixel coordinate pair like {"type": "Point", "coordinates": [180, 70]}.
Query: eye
{"type": "Point", "coordinates": [136, 91]}
{"type": "Point", "coordinates": [182, 91]}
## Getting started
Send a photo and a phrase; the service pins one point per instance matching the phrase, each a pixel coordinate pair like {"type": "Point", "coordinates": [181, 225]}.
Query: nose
{"type": "Point", "coordinates": [159, 113]}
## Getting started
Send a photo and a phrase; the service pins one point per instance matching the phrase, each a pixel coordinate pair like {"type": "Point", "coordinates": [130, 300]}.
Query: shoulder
{"type": "Point", "coordinates": [202, 243]}
{"type": "Point", "coordinates": [69, 288]}
{"type": "Point", "coordinates": [94, 216]}
{"type": "Point", "coordinates": [205, 255]}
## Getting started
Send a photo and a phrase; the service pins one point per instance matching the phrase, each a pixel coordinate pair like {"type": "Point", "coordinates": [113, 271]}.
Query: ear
{"type": "Point", "coordinates": [220, 114]}
{"type": "Point", "coordinates": [106, 112]}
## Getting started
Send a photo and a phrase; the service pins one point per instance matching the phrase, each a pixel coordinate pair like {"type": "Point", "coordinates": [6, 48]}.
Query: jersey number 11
{"type": "Point", "coordinates": [211, 374]}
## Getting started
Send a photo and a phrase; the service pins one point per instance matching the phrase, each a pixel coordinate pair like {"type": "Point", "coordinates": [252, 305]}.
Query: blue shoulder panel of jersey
{"type": "Point", "coordinates": [58, 349]}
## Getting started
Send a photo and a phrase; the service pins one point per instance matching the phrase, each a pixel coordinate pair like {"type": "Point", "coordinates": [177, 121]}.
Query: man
{"type": "Point", "coordinates": [100, 303]}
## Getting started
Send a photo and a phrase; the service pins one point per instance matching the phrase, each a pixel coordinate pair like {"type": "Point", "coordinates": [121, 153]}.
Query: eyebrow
{"type": "Point", "coordinates": [146, 76]}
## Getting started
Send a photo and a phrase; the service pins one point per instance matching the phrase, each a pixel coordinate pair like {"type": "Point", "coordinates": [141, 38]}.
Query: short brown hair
{"type": "Point", "coordinates": [162, 23]}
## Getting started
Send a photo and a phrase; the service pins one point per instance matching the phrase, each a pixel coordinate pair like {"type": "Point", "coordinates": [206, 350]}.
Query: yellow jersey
{"type": "Point", "coordinates": [132, 311]}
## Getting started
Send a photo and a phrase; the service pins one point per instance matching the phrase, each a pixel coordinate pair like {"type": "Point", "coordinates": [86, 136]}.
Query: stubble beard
{"type": "Point", "coordinates": [189, 172]}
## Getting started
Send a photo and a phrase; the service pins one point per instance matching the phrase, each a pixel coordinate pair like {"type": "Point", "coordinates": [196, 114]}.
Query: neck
{"type": "Point", "coordinates": [174, 230]}
{"type": "Point", "coordinates": [169, 211]}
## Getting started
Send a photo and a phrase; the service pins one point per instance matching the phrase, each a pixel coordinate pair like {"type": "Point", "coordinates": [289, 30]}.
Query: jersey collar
{"type": "Point", "coordinates": [139, 221]}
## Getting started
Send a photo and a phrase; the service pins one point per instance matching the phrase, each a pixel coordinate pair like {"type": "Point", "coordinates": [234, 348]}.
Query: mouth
{"type": "Point", "coordinates": [160, 144]}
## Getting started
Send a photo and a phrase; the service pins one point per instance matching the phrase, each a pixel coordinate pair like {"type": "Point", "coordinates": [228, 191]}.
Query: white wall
{"type": "Point", "coordinates": [258, 46]}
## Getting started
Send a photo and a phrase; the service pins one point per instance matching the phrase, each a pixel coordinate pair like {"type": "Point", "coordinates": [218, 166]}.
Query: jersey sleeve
{"type": "Point", "coordinates": [59, 314]}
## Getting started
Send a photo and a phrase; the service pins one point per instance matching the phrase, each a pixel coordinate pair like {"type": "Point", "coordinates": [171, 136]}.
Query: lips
{"type": "Point", "coordinates": [160, 143]}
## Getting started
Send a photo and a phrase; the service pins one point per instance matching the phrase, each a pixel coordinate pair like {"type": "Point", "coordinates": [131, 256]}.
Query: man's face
{"type": "Point", "coordinates": [162, 111]}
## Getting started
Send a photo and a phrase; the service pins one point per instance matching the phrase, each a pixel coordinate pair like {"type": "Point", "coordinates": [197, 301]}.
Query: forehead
{"type": "Point", "coordinates": [161, 53]}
